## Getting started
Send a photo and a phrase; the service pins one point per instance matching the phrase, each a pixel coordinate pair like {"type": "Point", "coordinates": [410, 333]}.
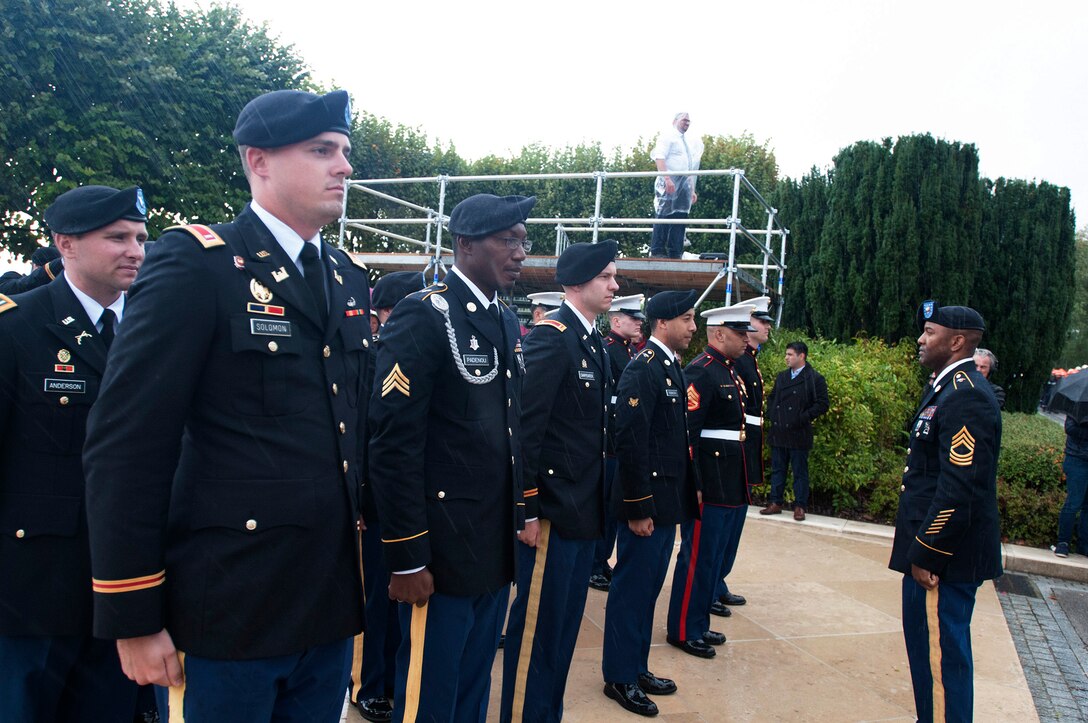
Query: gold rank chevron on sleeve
{"type": "Point", "coordinates": [962, 451]}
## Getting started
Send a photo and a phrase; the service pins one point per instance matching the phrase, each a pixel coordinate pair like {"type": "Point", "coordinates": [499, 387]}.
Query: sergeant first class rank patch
{"type": "Point", "coordinates": [962, 453]}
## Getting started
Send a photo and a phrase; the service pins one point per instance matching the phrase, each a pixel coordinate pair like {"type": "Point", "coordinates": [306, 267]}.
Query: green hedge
{"type": "Point", "coordinates": [856, 464]}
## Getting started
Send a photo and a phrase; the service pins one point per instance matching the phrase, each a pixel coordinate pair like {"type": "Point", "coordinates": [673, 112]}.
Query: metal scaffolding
{"type": "Point", "coordinates": [722, 265]}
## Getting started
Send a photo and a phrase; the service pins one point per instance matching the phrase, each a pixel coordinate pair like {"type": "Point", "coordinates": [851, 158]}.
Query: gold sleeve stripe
{"type": "Point", "coordinates": [132, 584]}
{"type": "Point", "coordinates": [950, 510]}
{"type": "Point", "coordinates": [49, 272]}
{"type": "Point", "coordinates": [933, 548]}
{"type": "Point", "coordinates": [531, 493]}
{"type": "Point", "coordinates": [405, 539]}
{"type": "Point", "coordinates": [640, 499]}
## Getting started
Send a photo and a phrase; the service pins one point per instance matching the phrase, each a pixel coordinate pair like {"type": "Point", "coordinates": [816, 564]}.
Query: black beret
{"type": "Point", "coordinates": [86, 208]}
{"type": "Point", "coordinates": [670, 304]}
{"type": "Point", "coordinates": [950, 317]}
{"type": "Point", "coordinates": [283, 117]}
{"type": "Point", "coordinates": [581, 262]}
{"type": "Point", "coordinates": [391, 288]}
{"type": "Point", "coordinates": [44, 255]}
{"type": "Point", "coordinates": [484, 214]}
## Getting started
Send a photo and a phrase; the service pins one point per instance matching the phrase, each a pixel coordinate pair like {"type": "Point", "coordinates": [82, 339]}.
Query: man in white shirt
{"type": "Point", "coordinates": [674, 195]}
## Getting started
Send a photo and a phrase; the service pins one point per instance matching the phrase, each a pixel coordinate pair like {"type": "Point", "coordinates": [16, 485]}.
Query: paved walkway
{"type": "Point", "coordinates": [819, 640]}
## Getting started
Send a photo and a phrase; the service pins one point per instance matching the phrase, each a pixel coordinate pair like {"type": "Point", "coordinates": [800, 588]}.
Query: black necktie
{"type": "Point", "coordinates": [315, 277]}
{"type": "Point", "coordinates": [107, 320]}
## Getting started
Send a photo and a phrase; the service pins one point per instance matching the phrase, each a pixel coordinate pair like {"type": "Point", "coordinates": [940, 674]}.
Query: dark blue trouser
{"type": "Point", "coordinates": [447, 648]}
{"type": "Point", "coordinates": [63, 678]}
{"type": "Point", "coordinates": [937, 631]}
{"type": "Point", "coordinates": [734, 527]}
{"type": "Point", "coordinates": [668, 238]}
{"type": "Point", "coordinates": [543, 627]}
{"type": "Point", "coordinates": [641, 566]}
{"type": "Point", "coordinates": [374, 659]}
{"type": "Point", "coordinates": [695, 578]}
{"type": "Point", "coordinates": [782, 458]}
{"type": "Point", "coordinates": [606, 544]}
{"type": "Point", "coordinates": [307, 686]}
{"type": "Point", "coordinates": [1076, 502]}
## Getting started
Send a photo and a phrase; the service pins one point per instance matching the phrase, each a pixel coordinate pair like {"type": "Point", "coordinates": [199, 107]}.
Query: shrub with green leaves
{"type": "Point", "coordinates": [1030, 485]}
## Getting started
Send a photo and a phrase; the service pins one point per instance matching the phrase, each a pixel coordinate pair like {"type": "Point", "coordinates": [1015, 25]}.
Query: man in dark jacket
{"type": "Point", "coordinates": [798, 397]}
{"type": "Point", "coordinates": [947, 530]}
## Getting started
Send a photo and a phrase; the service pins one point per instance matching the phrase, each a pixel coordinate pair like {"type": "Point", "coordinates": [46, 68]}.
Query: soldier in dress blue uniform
{"type": "Point", "coordinates": [947, 532]}
{"type": "Point", "coordinates": [715, 401]}
{"type": "Point", "coordinates": [564, 436]}
{"type": "Point", "coordinates": [657, 490]}
{"type": "Point", "coordinates": [373, 660]}
{"type": "Point", "coordinates": [625, 319]}
{"type": "Point", "coordinates": [445, 463]}
{"type": "Point", "coordinates": [53, 346]}
{"type": "Point", "coordinates": [747, 368]}
{"type": "Point", "coordinates": [225, 459]}
{"type": "Point", "coordinates": [45, 265]}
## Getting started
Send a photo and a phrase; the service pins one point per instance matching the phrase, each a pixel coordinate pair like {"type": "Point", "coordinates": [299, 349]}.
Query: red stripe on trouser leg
{"type": "Point", "coordinates": [691, 575]}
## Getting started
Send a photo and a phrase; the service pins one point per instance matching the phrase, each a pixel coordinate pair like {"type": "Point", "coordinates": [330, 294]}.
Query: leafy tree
{"type": "Point", "coordinates": [1075, 351]}
{"type": "Point", "coordinates": [128, 92]}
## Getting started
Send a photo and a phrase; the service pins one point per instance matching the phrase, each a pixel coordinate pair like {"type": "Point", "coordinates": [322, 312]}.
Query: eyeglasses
{"type": "Point", "coordinates": [513, 243]}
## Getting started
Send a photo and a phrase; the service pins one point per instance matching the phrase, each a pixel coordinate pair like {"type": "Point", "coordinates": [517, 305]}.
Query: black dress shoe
{"type": "Point", "coordinates": [693, 647]}
{"type": "Point", "coordinates": [718, 608]}
{"type": "Point", "coordinates": [376, 709]}
{"type": "Point", "coordinates": [652, 685]}
{"type": "Point", "coordinates": [713, 637]}
{"type": "Point", "coordinates": [731, 599]}
{"type": "Point", "coordinates": [599, 582]}
{"type": "Point", "coordinates": [631, 698]}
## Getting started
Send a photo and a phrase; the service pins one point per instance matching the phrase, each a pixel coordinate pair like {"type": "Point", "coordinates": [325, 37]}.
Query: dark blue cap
{"type": "Point", "coordinates": [44, 255]}
{"type": "Point", "coordinates": [950, 317]}
{"type": "Point", "coordinates": [394, 286]}
{"type": "Point", "coordinates": [581, 262]}
{"type": "Point", "coordinates": [86, 208]}
{"type": "Point", "coordinates": [283, 117]}
{"type": "Point", "coordinates": [484, 214]}
{"type": "Point", "coordinates": [670, 304]}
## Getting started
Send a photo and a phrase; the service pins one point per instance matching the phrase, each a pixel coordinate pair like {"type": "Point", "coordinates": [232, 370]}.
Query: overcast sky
{"type": "Point", "coordinates": [808, 77]}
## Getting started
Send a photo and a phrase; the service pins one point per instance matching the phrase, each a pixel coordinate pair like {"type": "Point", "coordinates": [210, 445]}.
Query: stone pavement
{"type": "Point", "coordinates": [1048, 619]}
{"type": "Point", "coordinates": [820, 639]}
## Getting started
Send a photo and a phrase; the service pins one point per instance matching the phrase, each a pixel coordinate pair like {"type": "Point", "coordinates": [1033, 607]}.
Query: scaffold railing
{"type": "Point", "coordinates": [432, 223]}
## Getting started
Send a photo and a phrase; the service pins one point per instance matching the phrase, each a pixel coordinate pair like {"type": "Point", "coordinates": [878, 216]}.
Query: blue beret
{"type": "Point", "coordinates": [484, 214]}
{"type": "Point", "coordinates": [581, 262]}
{"type": "Point", "coordinates": [393, 287]}
{"type": "Point", "coordinates": [86, 208]}
{"type": "Point", "coordinates": [670, 304]}
{"type": "Point", "coordinates": [44, 255]}
{"type": "Point", "coordinates": [283, 117]}
{"type": "Point", "coordinates": [950, 317]}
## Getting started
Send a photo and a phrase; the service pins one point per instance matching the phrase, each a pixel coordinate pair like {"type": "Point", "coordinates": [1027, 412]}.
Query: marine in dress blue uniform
{"type": "Point", "coordinates": [373, 660]}
{"type": "Point", "coordinates": [225, 459]}
{"type": "Point", "coordinates": [715, 402]}
{"type": "Point", "coordinates": [947, 530]}
{"type": "Point", "coordinates": [657, 489]}
{"type": "Point", "coordinates": [54, 341]}
{"type": "Point", "coordinates": [445, 463]}
{"type": "Point", "coordinates": [625, 314]}
{"type": "Point", "coordinates": [565, 420]}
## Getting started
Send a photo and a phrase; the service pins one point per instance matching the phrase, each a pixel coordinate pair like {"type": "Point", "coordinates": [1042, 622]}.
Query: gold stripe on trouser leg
{"type": "Point", "coordinates": [356, 667]}
{"type": "Point", "coordinates": [532, 608]}
{"type": "Point", "coordinates": [934, 625]}
{"type": "Point", "coordinates": [176, 700]}
{"type": "Point", "coordinates": [417, 633]}
{"type": "Point", "coordinates": [357, 648]}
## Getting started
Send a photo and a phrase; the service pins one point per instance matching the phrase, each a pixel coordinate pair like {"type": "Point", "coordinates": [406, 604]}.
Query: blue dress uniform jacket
{"type": "Point", "coordinates": [747, 369]}
{"type": "Point", "coordinates": [715, 401]}
{"type": "Point", "coordinates": [567, 395]}
{"type": "Point", "coordinates": [948, 520]}
{"type": "Point", "coordinates": [225, 458]}
{"type": "Point", "coordinates": [445, 457]}
{"type": "Point", "coordinates": [51, 363]}
{"type": "Point", "coordinates": [656, 476]}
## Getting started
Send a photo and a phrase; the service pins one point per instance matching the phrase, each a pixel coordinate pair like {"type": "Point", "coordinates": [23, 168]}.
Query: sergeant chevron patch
{"type": "Point", "coordinates": [962, 452]}
{"type": "Point", "coordinates": [396, 381]}
{"type": "Point", "coordinates": [693, 398]}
